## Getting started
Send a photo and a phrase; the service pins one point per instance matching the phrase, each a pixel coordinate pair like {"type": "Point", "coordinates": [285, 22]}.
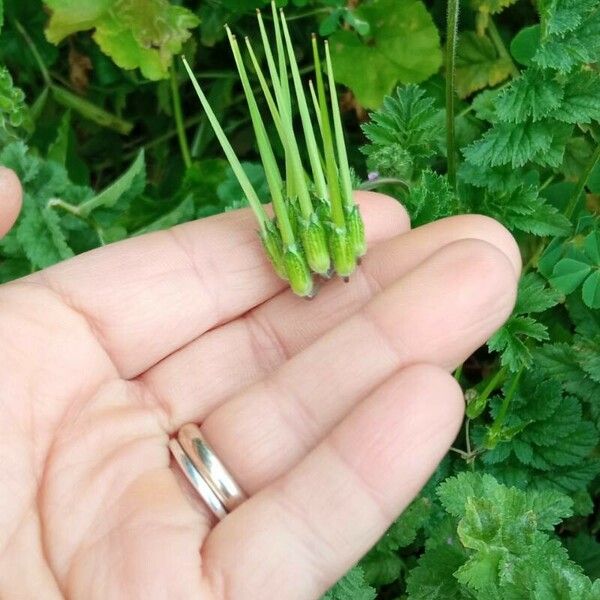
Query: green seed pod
{"type": "Point", "coordinates": [314, 242]}
{"type": "Point", "coordinates": [356, 231]}
{"type": "Point", "coordinates": [274, 248]}
{"type": "Point", "coordinates": [342, 253]}
{"type": "Point", "coordinates": [297, 272]}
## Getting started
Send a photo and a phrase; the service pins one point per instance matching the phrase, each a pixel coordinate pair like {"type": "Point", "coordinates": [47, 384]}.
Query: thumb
{"type": "Point", "coordinates": [11, 195]}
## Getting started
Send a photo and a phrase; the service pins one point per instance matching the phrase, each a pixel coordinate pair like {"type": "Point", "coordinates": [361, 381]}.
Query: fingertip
{"type": "Point", "coordinates": [11, 197]}
{"type": "Point", "coordinates": [384, 216]}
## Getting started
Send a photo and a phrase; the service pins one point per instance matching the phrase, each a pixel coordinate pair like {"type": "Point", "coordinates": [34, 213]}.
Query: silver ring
{"type": "Point", "coordinates": [197, 481]}
{"type": "Point", "coordinates": [210, 468]}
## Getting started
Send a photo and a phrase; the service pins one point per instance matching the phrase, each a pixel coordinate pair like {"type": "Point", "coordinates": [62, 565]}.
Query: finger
{"type": "Point", "coordinates": [228, 358]}
{"type": "Point", "coordinates": [11, 197]}
{"type": "Point", "coordinates": [146, 297]}
{"type": "Point", "coordinates": [315, 522]}
{"type": "Point", "coordinates": [439, 313]}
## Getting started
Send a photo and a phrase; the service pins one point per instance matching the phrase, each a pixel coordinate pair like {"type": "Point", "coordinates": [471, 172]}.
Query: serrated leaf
{"type": "Point", "coordinates": [478, 65]}
{"type": "Point", "coordinates": [142, 34]}
{"type": "Point", "coordinates": [568, 274]}
{"type": "Point", "coordinates": [534, 296]}
{"type": "Point", "coordinates": [41, 236]}
{"type": "Point", "coordinates": [404, 47]}
{"type": "Point", "coordinates": [517, 144]}
{"type": "Point", "coordinates": [351, 586]}
{"type": "Point", "coordinates": [581, 100]}
{"type": "Point", "coordinates": [533, 95]}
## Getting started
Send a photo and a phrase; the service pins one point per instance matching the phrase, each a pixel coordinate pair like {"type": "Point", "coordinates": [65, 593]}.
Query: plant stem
{"type": "Point", "coordinates": [178, 114]}
{"type": "Point", "coordinates": [574, 199]}
{"type": "Point", "coordinates": [371, 185]}
{"type": "Point", "coordinates": [500, 47]}
{"type": "Point", "coordinates": [34, 51]}
{"type": "Point", "coordinates": [451, 31]}
{"type": "Point", "coordinates": [510, 394]}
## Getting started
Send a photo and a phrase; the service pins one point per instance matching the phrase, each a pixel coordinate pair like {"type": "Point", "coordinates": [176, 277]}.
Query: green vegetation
{"type": "Point", "coordinates": [101, 122]}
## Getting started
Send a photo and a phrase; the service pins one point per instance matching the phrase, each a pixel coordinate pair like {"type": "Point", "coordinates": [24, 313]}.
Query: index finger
{"type": "Point", "coordinates": [148, 296]}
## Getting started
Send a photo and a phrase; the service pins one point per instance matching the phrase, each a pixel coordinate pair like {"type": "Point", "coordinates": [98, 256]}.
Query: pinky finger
{"type": "Point", "coordinates": [10, 199]}
{"type": "Point", "coordinates": [304, 531]}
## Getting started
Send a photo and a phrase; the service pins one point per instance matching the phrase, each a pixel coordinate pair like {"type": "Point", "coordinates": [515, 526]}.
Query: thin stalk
{"type": "Point", "coordinates": [503, 411]}
{"type": "Point", "coordinates": [36, 55]}
{"type": "Point", "coordinates": [264, 147]}
{"type": "Point", "coordinates": [335, 198]}
{"type": "Point", "coordinates": [371, 185]}
{"type": "Point", "coordinates": [283, 74]}
{"type": "Point", "coordinates": [309, 134]}
{"type": "Point", "coordinates": [492, 384]}
{"type": "Point", "coordinates": [451, 32]}
{"type": "Point", "coordinates": [581, 183]}
{"type": "Point", "coordinates": [500, 47]}
{"type": "Point", "coordinates": [339, 134]}
{"type": "Point", "coordinates": [234, 162]}
{"type": "Point", "coordinates": [178, 114]}
{"type": "Point", "coordinates": [294, 168]}
{"type": "Point", "coordinates": [280, 81]}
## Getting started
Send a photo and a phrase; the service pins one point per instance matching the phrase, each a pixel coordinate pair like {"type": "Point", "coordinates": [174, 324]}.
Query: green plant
{"type": "Point", "coordinates": [317, 225]}
{"type": "Point", "coordinates": [109, 143]}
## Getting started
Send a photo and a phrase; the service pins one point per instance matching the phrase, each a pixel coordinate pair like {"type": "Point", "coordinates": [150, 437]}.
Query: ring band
{"type": "Point", "coordinates": [210, 468]}
{"type": "Point", "coordinates": [197, 481]}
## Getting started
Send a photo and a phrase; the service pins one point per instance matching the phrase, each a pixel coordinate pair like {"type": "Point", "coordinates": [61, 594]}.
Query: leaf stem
{"type": "Point", "coordinates": [35, 52]}
{"type": "Point", "coordinates": [178, 114]}
{"type": "Point", "coordinates": [581, 183]}
{"type": "Point", "coordinates": [503, 411]}
{"type": "Point", "coordinates": [451, 35]}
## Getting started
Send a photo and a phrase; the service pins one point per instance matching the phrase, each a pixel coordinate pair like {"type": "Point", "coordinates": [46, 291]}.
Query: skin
{"type": "Point", "coordinates": [331, 414]}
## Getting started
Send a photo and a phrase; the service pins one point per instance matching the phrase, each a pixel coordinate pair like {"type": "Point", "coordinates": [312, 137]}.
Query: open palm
{"type": "Point", "coordinates": [331, 414]}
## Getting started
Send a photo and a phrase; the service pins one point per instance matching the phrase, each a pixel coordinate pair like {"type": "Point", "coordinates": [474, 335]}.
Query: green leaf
{"type": "Point", "coordinates": [533, 95]}
{"type": "Point", "coordinates": [14, 117]}
{"type": "Point", "coordinates": [517, 144]}
{"type": "Point", "coordinates": [591, 290]}
{"type": "Point", "coordinates": [58, 149]}
{"type": "Point", "coordinates": [130, 184]}
{"type": "Point", "coordinates": [403, 133]}
{"type": "Point", "coordinates": [568, 274]}
{"type": "Point", "coordinates": [351, 587]}
{"type": "Point", "coordinates": [478, 64]}
{"type": "Point", "coordinates": [592, 247]}
{"type": "Point", "coordinates": [564, 50]}
{"type": "Point", "coordinates": [525, 44]}
{"type": "Point", "coordinates": [431, 199]}
{"type": "Point", "coordinates": [41, 236]}
{"type": "Point", "coordinates": [142, 34]}
{"type": "Point", "coordinates": [433, 577]}
{"type": "Point", "coordinates": [581, 101]}
{"type": "Point", "coordinates": [404, 46]}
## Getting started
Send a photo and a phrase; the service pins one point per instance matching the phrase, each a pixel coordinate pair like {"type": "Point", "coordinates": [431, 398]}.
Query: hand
{"type": "Point", "coordinates": [331, 414]}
